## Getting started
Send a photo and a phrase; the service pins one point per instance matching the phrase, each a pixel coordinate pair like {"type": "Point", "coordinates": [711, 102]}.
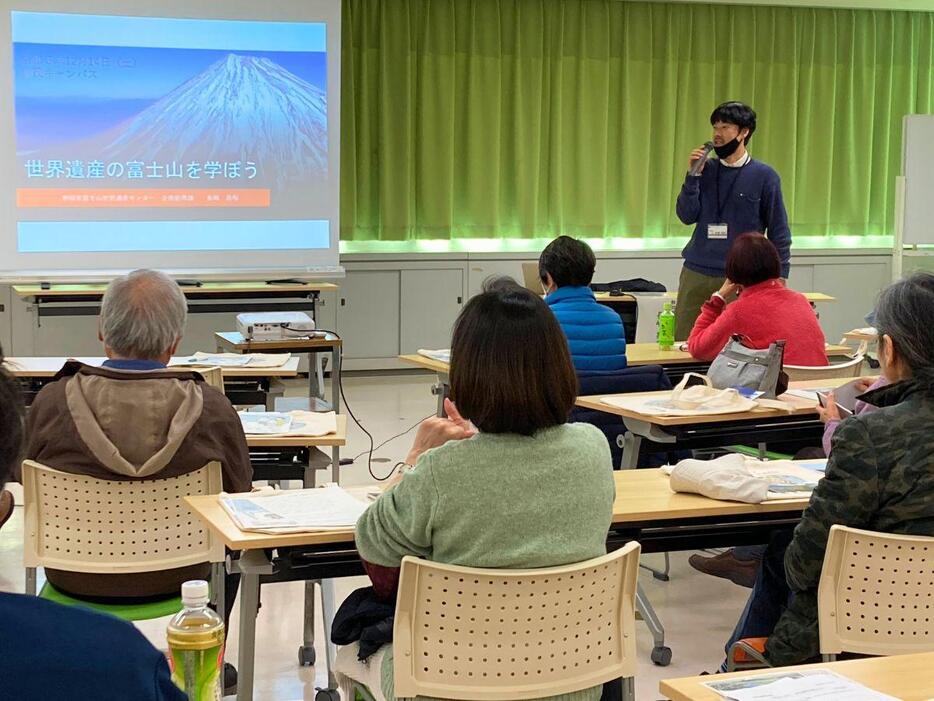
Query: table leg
{"type": "Point", "coordinates": [632, 441]}
{"type": "Point", "coordinates": [314, 387]}
{"type": "Point", "coordinates": [336, 380]}
{"type": "Point", "coordinates": [251, 564]}
{"type": "Point", "coordinates": [336, 465]}
{"type": "Point", "coordinates": [306, 653]}
{"type": "Point", "coordinates": [631, 446]}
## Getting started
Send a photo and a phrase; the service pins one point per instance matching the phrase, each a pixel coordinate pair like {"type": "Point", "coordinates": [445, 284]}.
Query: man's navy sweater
{"type": "Point", "coordinates": [751, 198]}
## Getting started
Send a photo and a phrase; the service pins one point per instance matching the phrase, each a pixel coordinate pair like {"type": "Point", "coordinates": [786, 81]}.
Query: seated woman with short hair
{"type": "Point", "coordinates": [504, 481]}
{"type": "Point", "coordinates": [765, 310]}
{"type": "Point", "coordinates": [595, 332]}
{"type": "Point", "coordinates": [879, 477]}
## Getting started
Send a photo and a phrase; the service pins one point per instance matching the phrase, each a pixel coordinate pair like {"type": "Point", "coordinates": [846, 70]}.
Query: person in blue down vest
{"type": "Point", "coordinates": [595, 332]}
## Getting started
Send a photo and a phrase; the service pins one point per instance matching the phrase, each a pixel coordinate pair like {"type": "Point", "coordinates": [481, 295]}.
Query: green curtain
{"type": "Point", "coordinates": [530, 118]}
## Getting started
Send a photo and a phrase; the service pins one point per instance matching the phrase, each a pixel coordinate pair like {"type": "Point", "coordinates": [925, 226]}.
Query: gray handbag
{"type": "Point", "coordinates": [758, 370]}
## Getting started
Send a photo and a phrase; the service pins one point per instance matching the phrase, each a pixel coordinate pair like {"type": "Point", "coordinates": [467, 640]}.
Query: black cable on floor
{"type": "Point", "coordinates": [368, 453]}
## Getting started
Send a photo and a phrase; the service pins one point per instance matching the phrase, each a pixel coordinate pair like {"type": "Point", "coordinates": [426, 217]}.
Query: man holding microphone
{"type": "Point", "coordinates": [724, 198]}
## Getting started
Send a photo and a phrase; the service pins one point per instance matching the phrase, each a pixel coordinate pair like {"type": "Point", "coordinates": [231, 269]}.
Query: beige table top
{"type": "Point", "coordinates": [906, 677]}
{"type": "Point", "coordinates": [24, 366]}
{"type": "Point", "coordinates": [208, 288]}
{"type": "Point", "coordinates": [637, 354]}
{"type": "Point", "coordinates": [800, 406]}
{"type": "Point", "coordinates": [332, 439]}
{"type": "Point", "coordinates": [860, 336]}
{"type": "Point", "coordinates": [673, 294]}
{"type": "Point", "coordinates": [426, 363]}
{"type": "Point", "coordinates": [641, 496]}
{"type": "Point", "coordinates": [234, 341]}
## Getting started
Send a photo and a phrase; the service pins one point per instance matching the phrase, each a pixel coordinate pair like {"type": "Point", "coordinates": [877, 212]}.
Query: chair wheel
{"type": "Point", "coordinates": [661, 655]}
{"type": "Point", "coordinates": [327, 695]}
{"type": "Point", "coordinates": [306, 656]}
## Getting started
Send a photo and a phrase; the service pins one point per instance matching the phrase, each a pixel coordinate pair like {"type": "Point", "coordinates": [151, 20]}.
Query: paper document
{"type": "Point", "coordinates": [300, 423]}
{"type": "Point", "coordinates": [260, 423]}
{"type": "Point", "coordinates": [295, 511]}
{"type": "Point", "coordinates": [819, 685]}
{"type": "Point", "coordinates": [443, 355]}
{"type": "Point", "coordinates": [232, 360]}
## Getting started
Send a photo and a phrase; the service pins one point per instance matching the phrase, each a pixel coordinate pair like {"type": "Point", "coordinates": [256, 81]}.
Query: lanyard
{"type": "Point", "coordinates": [729, 192]}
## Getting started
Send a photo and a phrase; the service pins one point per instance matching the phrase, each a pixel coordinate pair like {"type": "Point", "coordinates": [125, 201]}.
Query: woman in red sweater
{"type": "Point", "coordinates": [764, 311]}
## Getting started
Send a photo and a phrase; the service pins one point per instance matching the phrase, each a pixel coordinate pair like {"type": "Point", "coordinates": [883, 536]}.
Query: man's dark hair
{"type": "Point", "coordinates": [903, 313]}
{"type": "Point", "coordinates": [752, 259]}
{"type": "Point", "coordinates": [511, 370]}
{"type": "Point", "coordinates": [12, 428]}
{"type": "Point", "coordinates": [737, 113]}
{"type": "Point", "coordinates": [570, 262]}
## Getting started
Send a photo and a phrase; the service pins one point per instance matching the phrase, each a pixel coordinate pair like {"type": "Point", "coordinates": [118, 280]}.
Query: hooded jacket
{"type": "Point", "coordinates": [134, 425]}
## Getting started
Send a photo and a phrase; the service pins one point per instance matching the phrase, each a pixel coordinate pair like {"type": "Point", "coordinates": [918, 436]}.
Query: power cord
{"type": "Point", "coordinates": [372, 448]}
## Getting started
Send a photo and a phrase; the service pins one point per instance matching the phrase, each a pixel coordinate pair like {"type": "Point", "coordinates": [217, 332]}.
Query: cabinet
{"type": "Point", "coordinates": [431, 301]}
{"type": "Point", "coordinates": [368, 313]}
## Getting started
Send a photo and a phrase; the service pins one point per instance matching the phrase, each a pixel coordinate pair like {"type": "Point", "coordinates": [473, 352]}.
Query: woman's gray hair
{"type": "Point", "coordinates": [905, 313]}
{"type": "Point", "coordinates": [143, 314]}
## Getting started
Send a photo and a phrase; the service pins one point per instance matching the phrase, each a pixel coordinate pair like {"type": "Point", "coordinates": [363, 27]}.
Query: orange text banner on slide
{"type": "Point", "coordinates": [139, 197]}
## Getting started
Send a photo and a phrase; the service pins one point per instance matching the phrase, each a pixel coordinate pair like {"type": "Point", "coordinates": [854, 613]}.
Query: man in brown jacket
{"type": "Point", "coordinates": [133, 420]}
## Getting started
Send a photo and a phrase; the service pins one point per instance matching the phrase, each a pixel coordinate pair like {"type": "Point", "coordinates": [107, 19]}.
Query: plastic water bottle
{"type": "Point", "coordinates": [196, 643]}
{"type": "Point", "coordinates": [666, 327]}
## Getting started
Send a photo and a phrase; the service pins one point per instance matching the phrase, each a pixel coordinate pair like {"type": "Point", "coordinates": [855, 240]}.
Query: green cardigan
{"type": "Point", "coordinates": [497, 500]}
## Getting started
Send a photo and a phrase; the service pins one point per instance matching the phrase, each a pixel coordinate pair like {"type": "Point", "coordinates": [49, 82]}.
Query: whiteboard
{"type": "Point", "coordinates": [918, 169]}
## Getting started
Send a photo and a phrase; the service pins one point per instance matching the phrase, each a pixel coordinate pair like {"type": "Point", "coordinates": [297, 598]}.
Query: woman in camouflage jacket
{"type": "Point", "coordinates": [880, 477]}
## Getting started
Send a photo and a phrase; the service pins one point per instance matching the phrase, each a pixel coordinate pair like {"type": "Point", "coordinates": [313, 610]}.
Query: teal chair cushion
{"type": "Point", "coordinates": [126, 612]}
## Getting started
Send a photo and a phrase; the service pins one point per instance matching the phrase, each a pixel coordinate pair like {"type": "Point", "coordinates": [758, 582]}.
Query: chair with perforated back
{"type": "Point", "coordinates": [876, 593]}
{"type": "Point", "coordinates": [875, 597]}
{"type": "Point", "coordinates": [496, 634]}
{"type": "Point", "coordinates": [79, 523]}
{"type": "Point", "coordinates": [850, 368]}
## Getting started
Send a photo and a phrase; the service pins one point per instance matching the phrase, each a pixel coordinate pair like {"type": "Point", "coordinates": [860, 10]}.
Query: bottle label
{"type": "Point", "coordinates": [198, 673]}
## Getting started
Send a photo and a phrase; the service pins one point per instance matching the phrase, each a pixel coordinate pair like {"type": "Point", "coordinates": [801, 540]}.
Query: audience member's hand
{"type": "Point", "coordinates": [729, 290]}
{"type": "Point", "coordinates": [450, 408]}
{"type": "Point", "coordinates": [435, 432]}
{"type": "Point", "coordinates": [829, 412]}
{"type": "Point", "coordinates": [863, 384]}
{"type": "Point", "coordinates": [695, 154]}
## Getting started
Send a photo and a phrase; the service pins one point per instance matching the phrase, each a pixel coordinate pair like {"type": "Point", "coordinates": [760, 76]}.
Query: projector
{"type": "Point", "coordinates": [275, 326]}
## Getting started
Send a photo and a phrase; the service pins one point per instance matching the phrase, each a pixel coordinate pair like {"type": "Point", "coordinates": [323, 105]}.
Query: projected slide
{"type": "Point", "coordinates": [158, 134]}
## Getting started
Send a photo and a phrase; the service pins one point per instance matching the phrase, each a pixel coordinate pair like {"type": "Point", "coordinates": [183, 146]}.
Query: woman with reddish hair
{"type": "Point", "coordinates": [764, 311]}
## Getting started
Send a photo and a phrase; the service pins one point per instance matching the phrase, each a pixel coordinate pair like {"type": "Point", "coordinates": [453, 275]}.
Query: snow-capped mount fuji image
{"type": "Point", "coordinates": [241, 107]}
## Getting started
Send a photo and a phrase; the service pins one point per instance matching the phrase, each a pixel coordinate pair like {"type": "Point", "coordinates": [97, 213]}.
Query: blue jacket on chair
{"type": "Point", "coordinates": [594, 331]}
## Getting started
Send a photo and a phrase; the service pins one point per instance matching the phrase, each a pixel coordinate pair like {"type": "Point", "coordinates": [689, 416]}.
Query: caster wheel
{"type": "Point", "coordinates": [306, 656]}
{"type": "Point", "coordinates": [327, 695]}
{"type": "Point", "coordinates": [661, 656]}
{"type": "Point", "coordinates": [661, 576]}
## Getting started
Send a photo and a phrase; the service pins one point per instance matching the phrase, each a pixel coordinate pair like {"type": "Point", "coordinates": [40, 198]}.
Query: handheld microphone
{"type": "Point", "coordinates": [699, 163]}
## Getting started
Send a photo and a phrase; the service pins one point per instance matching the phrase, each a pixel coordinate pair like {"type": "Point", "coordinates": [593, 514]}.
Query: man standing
{"type": "Point", "coordinates": [725, 198]}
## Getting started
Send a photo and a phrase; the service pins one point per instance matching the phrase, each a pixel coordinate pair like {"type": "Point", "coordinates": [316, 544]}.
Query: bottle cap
{"type": "Point", "coordinates": [666, 306]}
{"type": "Point", "coordinates": [195, 593]}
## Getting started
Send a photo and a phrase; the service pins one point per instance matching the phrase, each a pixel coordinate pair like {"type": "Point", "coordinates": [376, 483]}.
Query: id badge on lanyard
{"type": "Point", "coordinates": [717, 232]}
